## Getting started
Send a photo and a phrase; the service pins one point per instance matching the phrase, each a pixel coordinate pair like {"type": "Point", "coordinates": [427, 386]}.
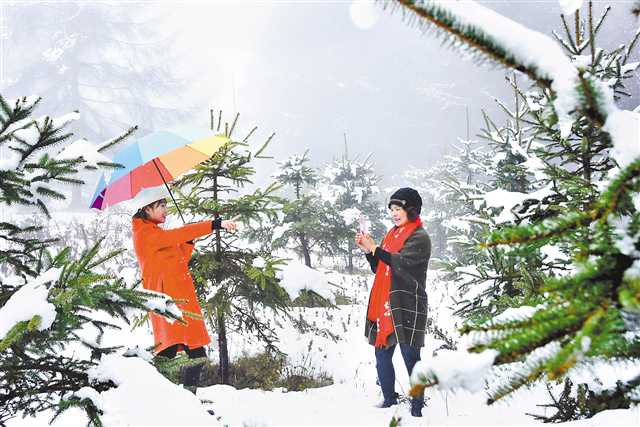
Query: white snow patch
{"type": "Point", "coordinates": [279, 231]}
{"type": "Point", "coordinates": [624, 128]}
{"type": "Point", "coordinates": [138, 351]}
{"type": "Point", "coordinates": [295, 276]}
{"type": "Point", "coordinates": [65, 119]}
{"type": "Point", "coordinates": [259, 262]}
{"type": "Point", "coordinates": [86, 150]}
{"type": "Point", "coordinates": [456, 369]}
{"type": "Point", "coordinates": [143, 396]}
{"type": "Point", "coordinates": [29, 301]}
{"type": "Point", "coordinates": [553, 253]}
{"type": "Point", "coordinates": [29, 135]}
{"type": "Point", "coordinates": [90, 393]}
{"type": "Point", "coordinates": [510, 199]}
{"type": "Point", "coordinates": [161, 303]}
{"type": "Point", "coordinates": [350, 215]}
{"type": "Point", "coordinates": [517, 313]}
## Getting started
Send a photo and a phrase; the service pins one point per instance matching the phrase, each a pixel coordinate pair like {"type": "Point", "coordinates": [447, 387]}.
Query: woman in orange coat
{"type": "Point", "coordinates": [164, 256]}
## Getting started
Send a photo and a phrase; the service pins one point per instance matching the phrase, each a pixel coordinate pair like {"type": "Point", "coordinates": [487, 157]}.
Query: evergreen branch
{"type": "Point", "coordinates": [568, 355]}
{"type": "Point", "coordinates": [233, 125]}
{"type": "Point", "coordinates": [264, 146]}
{"type": "Point", "coordinates": [117, 140]}
{"type": "Point", "coordinates": [471, 36]}
{"type": "Point", "coordinates": [603, 16]}
{"type": "Point", "coordinates": [574, 48]}
{"type": "Point", "coordinates": [608, 203]}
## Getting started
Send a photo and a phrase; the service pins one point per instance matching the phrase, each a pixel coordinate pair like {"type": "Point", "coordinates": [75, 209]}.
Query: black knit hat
{"type": "Point", "coordinates": [408, 199]}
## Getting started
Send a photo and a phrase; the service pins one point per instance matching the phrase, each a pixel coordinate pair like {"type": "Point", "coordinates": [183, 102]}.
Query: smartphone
{"type": "Point", "coordinates": [363, 225]}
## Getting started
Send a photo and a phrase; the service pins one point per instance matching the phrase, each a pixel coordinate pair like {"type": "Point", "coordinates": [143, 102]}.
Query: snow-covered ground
{"type": "Point", "coordinates": [334, 344]}
{"type": "Point", "coordinates": [148, 399]}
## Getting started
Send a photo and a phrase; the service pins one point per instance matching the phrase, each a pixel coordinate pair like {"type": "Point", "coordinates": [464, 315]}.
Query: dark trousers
{"type": "Point", "coordinates": [191, 374]}
{"type": "Point", "coordinates": [387, 374]}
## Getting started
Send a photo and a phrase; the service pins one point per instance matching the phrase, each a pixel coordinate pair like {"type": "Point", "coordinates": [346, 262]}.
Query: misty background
{"type": "Point", "coordinates": [317, 73]}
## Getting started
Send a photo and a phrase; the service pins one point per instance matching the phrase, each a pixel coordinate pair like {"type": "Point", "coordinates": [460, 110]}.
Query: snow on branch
{"type": "Point", "coordinates": [159, 303]}
{"type": "Point", "coordinates": [28, 302]}
{"type": "Point", "coordinates": [452, 370]}
{"type": "Point", "coordinates": [513, 45]}
{"type": "Point", "coordinates": [508, 200]}
{"type": "Point", "coordinates": [296, 277]}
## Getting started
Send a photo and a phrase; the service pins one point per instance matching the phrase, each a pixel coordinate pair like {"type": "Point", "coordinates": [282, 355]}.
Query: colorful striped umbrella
{"type": "Point", "coordinates": [152, 161]}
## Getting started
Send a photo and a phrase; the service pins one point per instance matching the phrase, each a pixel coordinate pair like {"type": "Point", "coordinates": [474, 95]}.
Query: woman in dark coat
{"type": "Point", "coordinates": [397, 309]}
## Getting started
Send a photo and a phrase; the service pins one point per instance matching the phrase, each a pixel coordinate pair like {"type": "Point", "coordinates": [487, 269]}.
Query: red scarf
{"type": "Point", "coordinates": [379, 310]}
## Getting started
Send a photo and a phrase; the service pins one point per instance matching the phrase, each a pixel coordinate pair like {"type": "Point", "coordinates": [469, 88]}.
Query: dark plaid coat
{"type": "Point", "coordinates": [408, 298]}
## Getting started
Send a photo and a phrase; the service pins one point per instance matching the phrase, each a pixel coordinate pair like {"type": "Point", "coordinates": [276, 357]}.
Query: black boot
{"type": "Point", "coordinates": [416, 407]}
{"type": "Point", "coordinates": [191, 377]}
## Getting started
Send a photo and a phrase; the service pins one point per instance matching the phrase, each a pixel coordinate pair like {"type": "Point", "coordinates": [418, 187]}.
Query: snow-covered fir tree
{"type": "Point", "coordinates": [590, 312]}
{"type": "Point", "coordinates": [54, 309]}
{"type": "Point", "coordinates": [234, 279]}
{"type": "Point", "coordinates": [304, 216]}
{"type": "Point", "coordinates": [349, 189]}
{"type": "Point", "coordinates": [509, 190]}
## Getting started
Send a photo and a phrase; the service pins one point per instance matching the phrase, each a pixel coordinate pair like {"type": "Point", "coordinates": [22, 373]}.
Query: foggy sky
{"type": "Point", "coordinates": [305, 70]}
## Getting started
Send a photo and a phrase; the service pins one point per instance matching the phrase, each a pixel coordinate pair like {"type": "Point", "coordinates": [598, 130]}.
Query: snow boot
{"type": "Point", "coordinates": [191, 375]}
{"type": "Point", "coordinates": [387, 403]}
{"type": "Point", "coordinates": [416, 407]}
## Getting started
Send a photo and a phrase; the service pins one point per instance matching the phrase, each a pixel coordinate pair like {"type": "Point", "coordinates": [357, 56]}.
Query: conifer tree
{"type": "Point", "coordinates": [349, 188]}
{"type": "Point", "coordinates": [304, 216]}
{"type": "Point", "coordinates": [48, 300]}
{"type": "Point", "coordinates": [592, 311]}
{"type": "Point", "coordinates": [233, 280]}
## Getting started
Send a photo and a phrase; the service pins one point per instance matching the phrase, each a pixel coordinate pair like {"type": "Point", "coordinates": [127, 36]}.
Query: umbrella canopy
{"type": "Point", "coordinates": [151, 161]}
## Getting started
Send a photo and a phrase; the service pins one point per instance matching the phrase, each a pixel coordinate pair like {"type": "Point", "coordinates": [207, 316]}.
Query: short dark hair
{"type": "Point", "coordinates": [412, 213]}
{"type": "Point", "coordinates": [142, 213]}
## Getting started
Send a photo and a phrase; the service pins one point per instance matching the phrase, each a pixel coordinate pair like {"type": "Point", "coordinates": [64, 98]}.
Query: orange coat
{"type": "Point", "coordinates": [163, 256]}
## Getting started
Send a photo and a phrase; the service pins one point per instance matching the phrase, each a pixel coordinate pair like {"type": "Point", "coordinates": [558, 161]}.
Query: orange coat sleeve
{"type": "Point", "coordinates": [187, 249]}
{"type": "Point", "coordinates": [160, 238]}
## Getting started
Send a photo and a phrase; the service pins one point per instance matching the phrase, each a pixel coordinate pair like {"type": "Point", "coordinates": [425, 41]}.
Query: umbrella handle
{"type": "Point", "coordinates": [169, 190]}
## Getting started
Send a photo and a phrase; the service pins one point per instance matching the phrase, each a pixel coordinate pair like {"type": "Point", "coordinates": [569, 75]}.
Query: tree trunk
{"type": "Point", "coordinates": [223, 369]}
{"type": "Point", "coordinates": [223, 350]}
{"type": "Point", "coordinates": [305, 249]}
{"type": "Point", "coordinates": [350, 258]}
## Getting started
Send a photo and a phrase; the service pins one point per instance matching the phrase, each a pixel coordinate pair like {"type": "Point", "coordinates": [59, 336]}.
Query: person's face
{"type": "Point", "coordinates": [157, 212]}
{"type": "Point", "coordinates": [398, 215]}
